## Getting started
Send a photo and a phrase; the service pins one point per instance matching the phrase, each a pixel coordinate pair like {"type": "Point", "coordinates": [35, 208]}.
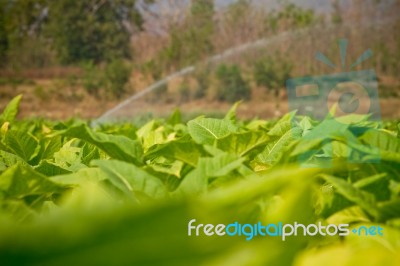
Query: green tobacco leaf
{"type": "Point", "coordinates": [243, 143]}
{"type": "Point", "coordinates": [154, 137]}
{"type": "Point", "coordinates": [275, 149]}
{"type": "Point", "coordinates": [117, 147]}
{"type": "Point", "coordinates": [354, 119]}
{"type": "Point", "coordinates": [19, 181]}
{"type": "Point", "coordinates": [388, 145]}
{"type": "Point", "coordinates": [49, 146]}
{"type": "Point", "coordinates": [80, 177]}
{"type": "Point", "coordinates": [231, 114]}
{"type": "Point", "coordinates": [378, 185]}
{"type": "Point", "coordinates": [388, 210]}
{"type": "Point", "coordinates": [69, 157]}
{"type": "Point", "coordinates": [363, 199]}
{"type": "Point", "coordinates": [17, 210]}
{"type": "Point", "coordinates": [282, 126]}
{"type": "Point", "coordinates": [50, 169]}
{"type": "Point", "coordinates": [131, 236]}
{"type": "Point", "coordinates": [175, 118]}
{"type": "Point", "coordinates": [11, 110]}
{"type": "Point", "coordinates": [306, 124]}
{"type": "Point", "coordinates": [8, 159]}
{"type": "Point", "coordinates": [306, 146]}
{"type": "Point", "coordinates": [251, 189]}
{"type": "Point", "coordinates": [328, 128]}
{"type": "Point", "coordinates": [349, 215]}
{"type": "Point", "coordinates": [89, 153]}
{"type": "Point", "coordinates": [336, 149]}
{"type": "Point", "coordinates": [130, 178]}
{"type": "Point", "coordinates": [220, 165]}
{"type": "Point", "coordinates": [315, 138]}
{"type": "Point", "coordinates": [207, 130]}
{"type": "Point", "coordinates": [165, 166]}
{"type": "Point", "coordinates": [145, 130]}
{"type": "Point", "coordinates": [294, 204]}
{"type": "Point", "coordinates": [257, 124]}
{"type": "Point", "coordinates": [185, 151]}
{"type": "Point", "coordinates": [194, 183]}
{"type": "Point", "coordinates": [21, 144]}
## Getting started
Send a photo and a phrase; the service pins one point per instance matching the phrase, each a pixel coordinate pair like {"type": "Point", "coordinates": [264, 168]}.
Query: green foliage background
{"type": "Point", "coordinates": [123, 195]}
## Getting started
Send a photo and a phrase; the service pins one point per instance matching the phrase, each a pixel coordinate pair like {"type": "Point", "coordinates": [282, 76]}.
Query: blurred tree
{"type": "Point", "coordinates": [336, 16]}
{"type": "Point", "coordinates": [272, 74]}
{"type": "Point", "coordinates": [184, 90]}
{"type": "Point", "coordinates": [232, 87]}
{"type": "Point", "coordinates": [97, 30]}
{"type": "Point", "coordinates": [290, 16]}
{"type": "Point", "coordinates": [19, 19]}
{"type": "Point", "coordinates": [91, 78]}
{"type": "Point", "coordinates": [201, 75]}
{"type": "Point", "coordinates": [116, 77]}
{"type": "Point", "coordinates": [191, 40]}
{"type": "Point", "coordinates": [238, 17]}
{"type": "Point", "coordinates": [202, 12]}
{"type": "Point", "coordinates": [3, 34]}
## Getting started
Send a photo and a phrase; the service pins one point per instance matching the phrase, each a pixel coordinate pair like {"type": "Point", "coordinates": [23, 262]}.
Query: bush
{"type": "Point", "coordinates": [40, 93]}
{"type": "Point", "coordinates": [232, 86]}
{"type": "Point", "coordinates": [184, 91]}
{"type": "Point", "coordinates": [153, 68]}
{"type": "Point", "coordinates": [96, 31]}
{"type": "Point", "coordinates": [272, 73]}
{"type": "Point", "coordinates": [201, 75]}
{"type": "Point", "coordinates": [91, 79]}
{"type": "Point", "coordinates": [116, 76]}
{"type": "Point", "coordinates": [112, 78]}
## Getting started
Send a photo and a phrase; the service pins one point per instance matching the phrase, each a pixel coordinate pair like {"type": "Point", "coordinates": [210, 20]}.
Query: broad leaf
{"type": "Point", "coordinates": [185, 151]}
{"type": "Point", "coordinates": [48, 168]}
{"type": "Point", "coordinates": [22, 144]}
{"type": "Point", "coordinates": [389, 210]}
{"type": "Point", "coordinates": [282, 126]}
{"type": "Point", "coordinates": [364, 199]}
{"type": "Point", "coordinates": [207, 130]}
{"type": "Point", "coordinates": [219, 165]}
{"type": "Point", "coordinates": [69, 157]}
{"type": "Point", "coordinates": [388, 145]}
{"type": "Point", "coordinates": [11, 110]}
{"type": "Point", "coordinates": [80, 177]}
{"type": "Point", "coordinates": [243, 143]}
{"type": "Point", "coordinates": [20, 181]}
{"type": "Point", "coordinates": [8, 159]}
{"type": "Point", "coordinates": [117, 147]}
{"type": "Point", "coordinates": [275, 149]}
{"type": "Point", "coordinates": [231, 114]}
{"type": "Point", "coordinates": [130, 178]}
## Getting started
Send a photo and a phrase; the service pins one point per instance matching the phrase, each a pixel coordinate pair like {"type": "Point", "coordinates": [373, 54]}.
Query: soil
{"type": "Point", "coordinates": [54, 99]}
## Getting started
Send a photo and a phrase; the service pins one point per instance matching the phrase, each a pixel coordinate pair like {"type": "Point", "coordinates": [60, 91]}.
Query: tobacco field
{"type": "Point", "coordinates": [72, 192]}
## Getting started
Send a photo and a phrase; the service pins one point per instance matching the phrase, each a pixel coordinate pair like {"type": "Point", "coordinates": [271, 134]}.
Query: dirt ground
{"type": "Point", "coordinates": [52, 100]}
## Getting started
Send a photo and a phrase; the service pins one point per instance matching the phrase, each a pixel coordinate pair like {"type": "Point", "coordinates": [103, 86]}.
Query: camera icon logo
{"type": "Point", "coordinates": [337, 100]}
